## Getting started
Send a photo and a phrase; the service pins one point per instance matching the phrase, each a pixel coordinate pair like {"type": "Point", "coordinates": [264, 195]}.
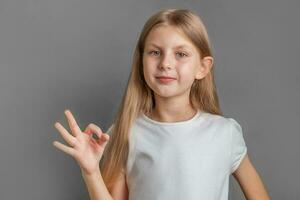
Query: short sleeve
{"type": "Point", "coordinates": [238, 145]}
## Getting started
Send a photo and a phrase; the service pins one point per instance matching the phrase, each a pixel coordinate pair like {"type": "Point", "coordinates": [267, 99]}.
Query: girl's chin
{"type": "Point", "coordinates": [165, 93]}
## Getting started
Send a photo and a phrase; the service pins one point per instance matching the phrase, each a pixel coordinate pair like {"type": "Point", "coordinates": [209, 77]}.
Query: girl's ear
{"type": "Point", "coordinates": [205, 67]}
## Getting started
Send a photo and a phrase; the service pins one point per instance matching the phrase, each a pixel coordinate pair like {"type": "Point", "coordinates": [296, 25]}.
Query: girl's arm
{"type": "Point", "coordinates": [96, 187]}
{"type": "Point", "coordinates": [98, 190]}
{"type": "Point", "coordinates": [250, 181]}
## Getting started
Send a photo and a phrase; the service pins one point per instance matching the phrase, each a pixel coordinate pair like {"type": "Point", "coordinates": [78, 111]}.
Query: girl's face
{"type": "Point", "coordinates": [168, 52]}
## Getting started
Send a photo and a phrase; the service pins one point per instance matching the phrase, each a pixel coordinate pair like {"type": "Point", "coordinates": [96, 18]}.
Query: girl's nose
{"type": "Point", "coordinates": [166, 62]}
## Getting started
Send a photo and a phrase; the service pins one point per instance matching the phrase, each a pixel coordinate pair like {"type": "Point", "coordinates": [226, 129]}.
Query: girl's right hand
{"type": "Point", "coordinates": [86, 150]}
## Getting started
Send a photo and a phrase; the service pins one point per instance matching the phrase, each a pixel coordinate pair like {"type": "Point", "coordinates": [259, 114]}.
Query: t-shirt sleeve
{"type": "Point", "coordinates": [238, 145]}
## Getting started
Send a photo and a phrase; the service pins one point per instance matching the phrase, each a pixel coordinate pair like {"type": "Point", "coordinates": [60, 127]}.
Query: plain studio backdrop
{"type": "Point", "coordinates": [77, 54]}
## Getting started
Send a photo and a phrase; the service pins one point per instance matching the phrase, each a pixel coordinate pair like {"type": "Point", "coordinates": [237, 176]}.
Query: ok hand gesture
{"type": "Point", "coordinates": [86, 150]}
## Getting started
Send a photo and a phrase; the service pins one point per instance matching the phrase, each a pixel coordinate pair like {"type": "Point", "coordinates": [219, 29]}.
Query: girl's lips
{"type": "Point", "coordinates": [165, 79]}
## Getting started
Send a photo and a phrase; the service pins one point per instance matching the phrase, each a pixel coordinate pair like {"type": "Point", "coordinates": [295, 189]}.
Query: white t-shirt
{"type": "Point", "coordinates": [186, 160]}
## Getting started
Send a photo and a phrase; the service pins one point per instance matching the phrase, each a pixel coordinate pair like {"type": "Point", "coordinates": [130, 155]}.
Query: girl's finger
{"type": "Point", "coordinates": [64, 148]}
{"type": "Point", "coordinates": [92, 128]}
{"type": "Point", "coordinates": [105, 137]}
{"type": "Point", "coordinates": [72, 123]}
{"type": "Point", "coordinates": [65, 134]}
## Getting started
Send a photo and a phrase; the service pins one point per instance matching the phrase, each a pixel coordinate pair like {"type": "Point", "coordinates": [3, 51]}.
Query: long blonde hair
{"type": "Point", "coordinates": [139, 98]}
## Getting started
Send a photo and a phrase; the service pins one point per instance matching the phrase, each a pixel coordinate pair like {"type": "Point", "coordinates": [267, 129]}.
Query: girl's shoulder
{"type": "Point", "coordinates": [219, 120]}
{"type": "Point", "coordinates": [224, 124]}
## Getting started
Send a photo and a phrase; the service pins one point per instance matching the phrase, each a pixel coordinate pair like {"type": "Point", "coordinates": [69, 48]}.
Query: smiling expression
{"type": "Point", "coordinates": [171, 61]}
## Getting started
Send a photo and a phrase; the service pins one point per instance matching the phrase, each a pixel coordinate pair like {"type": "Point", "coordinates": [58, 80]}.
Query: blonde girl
{"type": "Point", "coordinates": [169, 139]}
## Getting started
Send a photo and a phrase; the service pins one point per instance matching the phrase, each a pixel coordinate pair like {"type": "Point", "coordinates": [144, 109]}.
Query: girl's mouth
{"type": "Point", "coordinates": [165, 79]}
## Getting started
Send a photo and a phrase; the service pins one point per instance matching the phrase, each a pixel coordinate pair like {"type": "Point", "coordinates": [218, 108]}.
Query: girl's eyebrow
{"type": "Point", "coordinates": [176, 47]}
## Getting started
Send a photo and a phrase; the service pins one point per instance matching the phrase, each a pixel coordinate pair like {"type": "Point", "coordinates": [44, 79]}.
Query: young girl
{"type": "Point", "coordinates": [169, 139]}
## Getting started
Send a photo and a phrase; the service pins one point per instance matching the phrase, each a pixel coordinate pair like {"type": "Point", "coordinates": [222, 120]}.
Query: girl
{"type": "Point", "coordinates": [169, 139]}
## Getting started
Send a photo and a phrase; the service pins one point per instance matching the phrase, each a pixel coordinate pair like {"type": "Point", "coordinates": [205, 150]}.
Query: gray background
{"type": "Point", "coordinates": [77, 54]}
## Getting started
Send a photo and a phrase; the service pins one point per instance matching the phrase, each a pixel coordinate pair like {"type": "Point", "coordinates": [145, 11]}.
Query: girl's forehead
{"type": "Point", "coordinates": [168, 36]}
{"type": "Point", "coordinates": [165, 32]}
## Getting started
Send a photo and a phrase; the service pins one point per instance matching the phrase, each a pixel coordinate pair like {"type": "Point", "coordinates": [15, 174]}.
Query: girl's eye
{"type": "Point", "coordinates": [182, 54]}
{"type": "Point", "coordinates": [152, 52]}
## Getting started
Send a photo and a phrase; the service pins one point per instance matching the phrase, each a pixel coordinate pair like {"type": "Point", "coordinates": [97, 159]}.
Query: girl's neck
{"type": "Point", "coordinates": [176, 114]}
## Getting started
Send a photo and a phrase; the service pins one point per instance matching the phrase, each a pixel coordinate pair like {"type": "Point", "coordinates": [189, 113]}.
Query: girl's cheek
{"type": "Point", "coordinates": [185, 73]}
{"type": "Point", "coordinates": [183, 70]}
{"type": "Point", "coordinates": [147, 62]}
